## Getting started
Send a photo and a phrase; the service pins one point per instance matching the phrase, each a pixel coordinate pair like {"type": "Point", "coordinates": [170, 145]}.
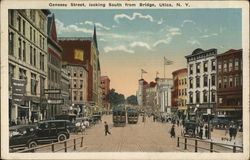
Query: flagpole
{"type": "Point", "coordinates": [164, 67]}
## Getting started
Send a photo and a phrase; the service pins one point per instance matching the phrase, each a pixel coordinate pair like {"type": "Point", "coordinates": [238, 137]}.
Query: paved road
{"type": "Point", "coordinates": [142, 137]}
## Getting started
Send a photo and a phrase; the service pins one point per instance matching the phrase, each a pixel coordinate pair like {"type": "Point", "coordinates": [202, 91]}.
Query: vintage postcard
{"type": "Point", "coordinates": [124, 79]}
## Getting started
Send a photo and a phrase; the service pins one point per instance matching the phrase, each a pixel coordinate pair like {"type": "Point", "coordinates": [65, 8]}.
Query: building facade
{"type": "Point", "coordinates": [229, 84]}
{"type": "Point", "coordinates": [151, 97]}
{"type": "Point", "coordinates": [54, 69]}
{"type": "Point", "coordinates": [65, 91]}
{"type": "Point", "coordinates": [163, 94]}
{"type": "Point", "coordinates": [141, 93]}
{"type": "Point", "coordinates": [179, 90]}
{"type": "Point", "coordinates": [105, 85]}
{"type": "Point", "coordinates": [28, 61]}
{"type": "Point", "coordinates": [201, 80]}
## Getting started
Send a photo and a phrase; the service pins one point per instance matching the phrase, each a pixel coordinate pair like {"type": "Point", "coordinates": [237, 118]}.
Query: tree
{"type": "Point", "coordinates": [115, 98]}
{"type": "Point", "coordinates": [132, 100]}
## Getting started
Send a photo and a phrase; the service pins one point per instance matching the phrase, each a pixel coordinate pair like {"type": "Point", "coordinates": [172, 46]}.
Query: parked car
{"type": "Point", "coordinates": [43, 132]}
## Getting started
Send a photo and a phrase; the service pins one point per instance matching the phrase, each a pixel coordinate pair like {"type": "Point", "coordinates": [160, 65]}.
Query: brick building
{"type": "Point", "coordinates": [229, 84]}
{"type": "Point", "coordinates": [105, 85]}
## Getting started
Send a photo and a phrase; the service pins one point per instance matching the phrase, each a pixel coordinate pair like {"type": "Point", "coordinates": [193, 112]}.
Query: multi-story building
{"type": "Point", "coordinates": [201, 80]}
{"type": "Point", "coordinates": [105, 85]}
{"type": "Point", "coordinates": [151, 96]}
{"type": "Point", "coordinates": [163, 94]}
{"type": "Point", "coordinates": [54, 68]}
{"type": "Point", "coordinates": [28, 61]}
{"type": "Point", "coordinates": [84, 53]}
{"type": "Point", "coordinates": [141, 93]}
{"type": "Point", "coordinates": [229, 84]}
{"type": "Point", "coordinates": [179, 92]}
{"type": "Point", "coordinates": [65, 91]}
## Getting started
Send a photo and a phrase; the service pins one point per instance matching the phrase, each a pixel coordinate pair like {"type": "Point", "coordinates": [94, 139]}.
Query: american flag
{"type": "Point", "coordinates": [167, 62]}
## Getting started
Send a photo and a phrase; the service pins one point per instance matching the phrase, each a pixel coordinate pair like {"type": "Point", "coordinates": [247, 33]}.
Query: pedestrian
{"type": "Point", "coordinates": [234, 132]}
{"type": "Point", "coordinates": [172, 131]}
{"type": "Point", "coordinates": [206, 132]}
{"type": "Point", "coordinates": [178, 123]}
{"type": "Point", "coordinates": [230, 132]}
{"type": "Point", "coordinates": [201, 132]}
{"type": "Point", "coordinates": [106, 127]}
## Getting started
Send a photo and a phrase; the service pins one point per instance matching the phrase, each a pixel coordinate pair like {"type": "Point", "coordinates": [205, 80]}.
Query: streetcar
{"type": "Point", "coordinates": [132, 116]}
{"type": "Point", "coordinates": [119, 116]}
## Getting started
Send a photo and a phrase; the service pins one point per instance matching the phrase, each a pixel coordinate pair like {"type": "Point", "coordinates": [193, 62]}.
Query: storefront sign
{"type": "Point", "coordinates": [55, 101]}
{"type": "Point", "coordinates": [18, 90]}
{"type": "Point", "coordinates": [52, 91]}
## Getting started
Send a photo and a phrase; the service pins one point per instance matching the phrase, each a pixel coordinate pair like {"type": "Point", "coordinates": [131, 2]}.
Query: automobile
{"type": "Point", "coordinates": [43, 132]}
{"type": "Point", "coordinates": [190, 127]}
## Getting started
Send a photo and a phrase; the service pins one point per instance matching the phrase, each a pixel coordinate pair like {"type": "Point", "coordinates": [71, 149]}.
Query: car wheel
{"type": "Point", "coordinates": [32, 144]}
{"type": "Point", "coordinates": [61, 137]}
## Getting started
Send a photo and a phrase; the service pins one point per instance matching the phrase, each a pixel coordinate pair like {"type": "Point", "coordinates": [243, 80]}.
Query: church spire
{"type": "Point", "coordinates": [95, 38]}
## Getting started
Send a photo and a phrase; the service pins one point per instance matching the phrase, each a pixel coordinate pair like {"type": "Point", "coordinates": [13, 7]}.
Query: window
{"type": "Point", "coordinates": [75, 83]}
{"type": "Point", "coordinates": [231, 81]}
{"type": "Point", "coordinates": [31, 55]}
{"type": "Point", "coordinates": [182, 81]}
{"type": "Point", "coordinates": [205, 95]}
{"type": "Point", "coordinates": [225, 66]}
{"type": "Point", "coordinates": [179, 92]}
{"type": "Point", "coordinates": [24, 27]}
{"type": "Point", "coordinates": [219, 67]}
{"type": "Point", "coordinates": [49, 72]}
{"type": "Point", "coordinates": [191, 83]}
{"type": "Point", "coordinates": [75, 95]}
{"type": "Point", "coordinates": [225, 82]}
{"type": "Point", "coordinates": [230, 65]}
{"type": "Point", "coordinates": [197, 82]}
{"type": "Point", "coordinates": [219, 83]}
{"type": "Point", "coordinates": [24, 51]}
{"type": "Point", "coordinates": [42, 85]}
{"type": "Point", "coordinates": [12, 17]}
{"type": "Point", "coordinates": [185, 80]}
{"type": "Point", "coordinates": [41, 61]}
{"type": "Point", "coordinates": [191, 69]}
{"type": "Point", "coordinates": [197, 97]}
{"type": "Point", "coordinates": [81, 95]}
{"type": "Point", "coordinates": [34, 31]}
{"type": "Point", "coordinates": [22, 73]}
{"type": "Point", "coordinates": [81, 83]}
{"type": "Point", "coordinates": [236, 64]}
{"type": "Point", "coordinates": [213, 65]}
{"type": "Point", "coordinates": [33, 84]}
{"type": "Point", "coordinates": [40, 41]}
{"type": "Point", "coordinates": [205, 66]}
{"type": "Point", "coordinates": [213, 80]}
{"type": "Point", "coordinates": [69, 73]}
{"type": "Point", "coordinates": [20, 48]}
{"type": "Point", "coordinates": [205, 81]}
{"type": "Point", "coordinates": [74, 73]}
{"type": "Point", "coordinates": [213, 97]}
{"type": "Point", "coordinates": [179, 82]}
{"type": "Point", "coordinates": [11, 43]}
{"type": "Point", "coordinates": [34, 56]}
{"type": "Point", "coordinates": [43, 43]}
{"type": "Point", "coordinates": [19, 23]}
{"type": "Point", "coordinates": [41, 23]}
{"type": "Point", "coordinates": [190, 97]}
{"type": "Point", "coordinates": [30, 33]}
{"type": "Point", "coordinates": [198, 68]}
{"type": "Point", "coordinates": [237, 81]}
{"type": "Point", "coordinates": [185, 92]}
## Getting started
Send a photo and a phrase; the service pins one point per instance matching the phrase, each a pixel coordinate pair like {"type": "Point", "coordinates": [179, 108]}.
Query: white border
{"type": "Point", "coordinates": [44, 4]}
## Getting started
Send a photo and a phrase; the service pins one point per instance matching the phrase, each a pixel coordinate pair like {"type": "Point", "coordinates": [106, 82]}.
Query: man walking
{"type": "Point", "coordinates": [106, 127]}
{"type": "Point", "coordinates": [172, 131]}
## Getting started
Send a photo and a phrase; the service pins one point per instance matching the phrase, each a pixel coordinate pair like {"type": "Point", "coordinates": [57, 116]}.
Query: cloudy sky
{"type": "Point", "coordinates": [131, 40]}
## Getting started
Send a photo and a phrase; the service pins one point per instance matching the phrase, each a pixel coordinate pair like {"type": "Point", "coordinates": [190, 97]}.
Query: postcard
{"type": "Point", "coordinates": [124, 79]}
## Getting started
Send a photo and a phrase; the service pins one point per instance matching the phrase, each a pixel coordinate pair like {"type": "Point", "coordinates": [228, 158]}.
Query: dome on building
{"type": "Point", "coordinates": [197, 51]}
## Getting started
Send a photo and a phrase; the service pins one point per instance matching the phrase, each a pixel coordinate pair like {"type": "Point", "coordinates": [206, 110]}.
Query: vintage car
{"type": "Point", "coordinates": [43, 132]}
{"type": "Point", "coordinates": [190, 128]}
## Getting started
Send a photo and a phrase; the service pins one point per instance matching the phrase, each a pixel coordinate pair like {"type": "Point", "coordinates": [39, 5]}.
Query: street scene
{"type": "Point", "coordinates": [125, 80]}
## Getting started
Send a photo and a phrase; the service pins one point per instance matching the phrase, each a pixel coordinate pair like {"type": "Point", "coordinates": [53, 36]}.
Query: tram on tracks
{"type": "Point", "coordinates": [132, 116]}
{"type": "Point", "coordinates": [119, 116]}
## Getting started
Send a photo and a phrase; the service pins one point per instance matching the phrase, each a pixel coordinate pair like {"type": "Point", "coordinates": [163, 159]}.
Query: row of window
{"type": "Point", "coordinates": [22, 52]}
{"type": "Point", "coordinates": [54, 61]}
{"type": "Point", "coordinates": [54, 75]}
{"type": "Point", "coordinates": [203, 65]}
{"type": "Point", "coordinates": [183, 81]}
{"type": "Point", "coordinates": [205, 81]}
{"type": "Point", "coordinates": [76, 84]}
{"type": "Point", "coordinates": [75, 73]}
{"type": "Point", "coordinates": [77, 96]}
{"type": "Point", "coordinates": [198, 95]}
{"type": "Point", "coordinates": [229, 65]}
{"type": "Point", "coordinates": [229, 81]}
{"type": "Point", "coordinates": [182, 92]}
{"type": "Point", "coordinates": [182, 103]}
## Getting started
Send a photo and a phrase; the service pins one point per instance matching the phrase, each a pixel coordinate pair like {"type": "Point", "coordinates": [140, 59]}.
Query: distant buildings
{"type": "Point", "coordinates": [179, 90]}
{"type": "Point", "coordinates": [229, 84]}
{"type": "Point", "coordinates": [105, 85]}
{"type": "Point", "coordinates": [141, 93]}
{"type": "Point", "coordinates": [201, 80]}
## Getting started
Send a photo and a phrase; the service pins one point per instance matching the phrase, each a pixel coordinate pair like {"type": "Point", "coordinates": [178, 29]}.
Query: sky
{"type": "Point", "coordinates": [134, 39]}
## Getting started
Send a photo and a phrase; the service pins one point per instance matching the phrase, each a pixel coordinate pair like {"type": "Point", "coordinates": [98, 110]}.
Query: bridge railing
{"type": "Point", "coordinates": [211, 147]}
